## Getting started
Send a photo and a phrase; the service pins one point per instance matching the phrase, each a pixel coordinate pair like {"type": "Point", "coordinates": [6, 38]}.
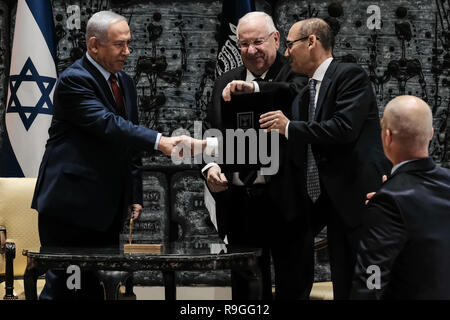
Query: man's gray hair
{"type": "Point", "coordinates": [99, 23]}
{"type": "Point", "coordinates": [256, 14]}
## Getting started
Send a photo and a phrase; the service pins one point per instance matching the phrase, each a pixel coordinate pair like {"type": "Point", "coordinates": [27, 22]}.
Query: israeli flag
{"type": "Point", "coordinates": [29, 106]}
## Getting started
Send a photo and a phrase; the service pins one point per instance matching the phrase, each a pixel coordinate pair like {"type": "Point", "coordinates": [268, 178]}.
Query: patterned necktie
{"type": "Point", "coordinates": [248, 176]}
{"type": "Point", "coordinates": [118, 96]}
{"type": "Point", "coordinates": [312, 173]}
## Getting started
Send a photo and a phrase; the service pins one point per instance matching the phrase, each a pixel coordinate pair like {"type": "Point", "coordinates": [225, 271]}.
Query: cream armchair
{"type": "Point", "coordinates": [18, 229]}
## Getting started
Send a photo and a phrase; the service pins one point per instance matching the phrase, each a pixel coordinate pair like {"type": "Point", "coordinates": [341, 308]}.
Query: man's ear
{"type": "Point", "coordinates": [276, 37]}
{"type": "Point", "coordinates": [388, 136]}
{"type": "Point", "coordinates": [93, 44]}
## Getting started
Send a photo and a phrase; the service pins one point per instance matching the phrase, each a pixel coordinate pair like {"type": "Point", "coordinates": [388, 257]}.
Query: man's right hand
{"type": "Point", "coordinates": [216, 180]}
{"type": "Point", "coordinates": [167, 145]}
{"type": "Point", "coordinates": [237, 86]}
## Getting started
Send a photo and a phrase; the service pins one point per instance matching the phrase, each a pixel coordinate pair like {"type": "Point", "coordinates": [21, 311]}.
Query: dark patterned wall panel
{"type": "Point", "coordinates": [152, 225]}
{"type": "Point", "coordinates": [188, 209]}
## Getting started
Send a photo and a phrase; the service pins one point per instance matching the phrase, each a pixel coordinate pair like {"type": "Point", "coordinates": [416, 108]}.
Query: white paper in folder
{"type": "Point", "coordinates": [210, 204]}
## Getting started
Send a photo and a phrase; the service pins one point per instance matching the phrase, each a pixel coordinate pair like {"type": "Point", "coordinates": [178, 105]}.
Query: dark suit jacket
{"type": "Point", "coordinates": [90, 168]}
{"type": "Point", "coordinates": [282, 82]}
{"type": "Point", "coordinates": [406, 234]}
{"type": "Point", "coordinates": [345, 140]}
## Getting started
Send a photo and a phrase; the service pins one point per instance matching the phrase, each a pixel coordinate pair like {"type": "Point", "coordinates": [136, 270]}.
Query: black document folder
{"type": "Point", "coordinates": [243, 112]}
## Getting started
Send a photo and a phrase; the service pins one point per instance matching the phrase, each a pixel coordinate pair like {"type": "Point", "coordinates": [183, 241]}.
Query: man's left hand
{"type": "Point", "coordinates": [274, 120]}
{"type": "Point", "coordinates": [134, 211]}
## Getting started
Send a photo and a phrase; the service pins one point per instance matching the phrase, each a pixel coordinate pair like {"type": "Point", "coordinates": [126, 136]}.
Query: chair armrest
{"type": "Point", "coordinates": [2, 239]}
{"type": "Point", "coordinates": [10, 255]}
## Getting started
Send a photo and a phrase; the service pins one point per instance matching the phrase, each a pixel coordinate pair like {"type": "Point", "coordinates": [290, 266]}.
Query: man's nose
{"type": "Point", "coordinates": [252, 49]}
{"type": "Point", "coordinates": [287, 53]}
{"type": "Point", "coordinates": [127, 51]}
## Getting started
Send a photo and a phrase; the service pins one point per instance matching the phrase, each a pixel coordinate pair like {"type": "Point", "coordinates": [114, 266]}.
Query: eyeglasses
{"type": "Point", "coordinates": [289, 44]}
{"type": "Point", "coordinates": [255, 43]}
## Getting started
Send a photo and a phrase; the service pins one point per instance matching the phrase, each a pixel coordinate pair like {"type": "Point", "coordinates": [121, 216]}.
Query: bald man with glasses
{"type": "Point", "coordinates": [245, 209]}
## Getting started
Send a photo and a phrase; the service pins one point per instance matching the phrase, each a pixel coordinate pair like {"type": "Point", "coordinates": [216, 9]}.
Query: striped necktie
{"type": "Point", "coordinates": [312, 173]}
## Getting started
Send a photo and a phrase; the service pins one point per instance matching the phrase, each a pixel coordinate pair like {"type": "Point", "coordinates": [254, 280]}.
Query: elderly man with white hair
{"type": "Point", "coordinates": [246, 208]}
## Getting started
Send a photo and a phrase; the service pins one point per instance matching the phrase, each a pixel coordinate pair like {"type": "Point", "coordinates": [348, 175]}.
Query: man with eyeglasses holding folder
{"type": "Point", "coordinates": [334, 152]}
{"type": "Point", "coordinates": [245, 206]}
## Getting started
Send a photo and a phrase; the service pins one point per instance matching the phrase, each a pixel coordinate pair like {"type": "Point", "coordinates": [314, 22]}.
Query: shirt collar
{"type": "Point", "coordinates": [105, 73]}
{"type": "Point", "coordinates": [320, 71]}
{"type": "Point", "coordinates": [251, 77]}
{"type": "Point", "coordinates": [398, 165]}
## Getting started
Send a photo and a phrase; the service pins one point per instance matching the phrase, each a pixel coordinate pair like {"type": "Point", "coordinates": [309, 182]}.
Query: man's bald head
{"type": "Point", "coordinates": [410, 122]}
{"type": "Point", "coordinates": [318, 27]}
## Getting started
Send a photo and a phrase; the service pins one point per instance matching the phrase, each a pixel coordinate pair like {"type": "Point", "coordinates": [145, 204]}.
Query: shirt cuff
{"type": "Point", "coordinates": [205, 168]}
{"type": "Point", "coordinates": [256, 86]}
{"type": "Point", "coordinates": [212, 146]}
{"type": "Point", "coordinates": [286, 130]}
{"type": "Point", "coordinates": [158, 137]}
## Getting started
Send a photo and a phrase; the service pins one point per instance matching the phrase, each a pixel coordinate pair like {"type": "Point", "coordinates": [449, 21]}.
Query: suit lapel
{"type": "Point", "coordinates": [274, 69]}
{"type": "Point", "coordinates": [101, 82]}
{"type": "Point", "coordinates": [242, 74]}
{"type": "Point", "coordinates": [303, 105]}
{"type": "Point", "coordinates": [326, 81]}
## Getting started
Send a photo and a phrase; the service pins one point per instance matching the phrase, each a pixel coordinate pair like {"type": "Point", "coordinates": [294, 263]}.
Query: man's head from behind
{"type": "Point", "coordinates": [259, 41]}
{"type": "Point", "coordinates": [407, 128]}
{"type": "Point", "coordinates": [308, 44]}
{"type": "Point", "coordinates": [107, 38]}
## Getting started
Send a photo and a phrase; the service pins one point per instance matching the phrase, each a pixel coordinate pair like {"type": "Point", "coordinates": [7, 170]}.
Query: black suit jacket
{"type": "Point", "coordinates": [407, 235]}
{"type": "Point", "coordinates": [282, 82]}
{"type": "Point", "coordinates": [345, 140]}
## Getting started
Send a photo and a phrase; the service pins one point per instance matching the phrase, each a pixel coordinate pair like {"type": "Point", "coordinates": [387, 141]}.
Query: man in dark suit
{"type": "Point", "coordinates": [90, 172]}
{"type": "Point", "coordinates": [334, 154]}
{"type": "Point", "coordinates": [244, 213]}
{"type": "Point", "coordinates": [405, 243]}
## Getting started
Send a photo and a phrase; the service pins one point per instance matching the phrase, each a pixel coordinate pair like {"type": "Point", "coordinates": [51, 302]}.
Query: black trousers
{"type": "Point", "coordinates": [255, 222]}
{"type": "Point", "coordinates": [55, 233]}
{"type": "Point", "coordinates": [342, 244]}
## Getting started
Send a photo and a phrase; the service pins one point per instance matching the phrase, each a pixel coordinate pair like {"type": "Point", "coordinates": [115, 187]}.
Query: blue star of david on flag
{"type": "Point", "coordinates": [44, 105]}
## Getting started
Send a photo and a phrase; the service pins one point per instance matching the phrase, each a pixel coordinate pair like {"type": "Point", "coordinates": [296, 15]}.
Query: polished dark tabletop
{"type": "Point", "coordinates": [183, 253]}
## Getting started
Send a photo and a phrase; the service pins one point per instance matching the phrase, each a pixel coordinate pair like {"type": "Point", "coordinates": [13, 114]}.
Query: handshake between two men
{"type": "Point", "coordinates": [181, 146]}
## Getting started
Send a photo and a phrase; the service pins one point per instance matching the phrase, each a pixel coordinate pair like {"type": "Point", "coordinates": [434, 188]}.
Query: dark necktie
{"type": "Point", "coordinates": [312, 173]}
{"type": "Point", "coordinates": [118, 96]}
{"type": "Point", "coordinates": [247, 176]}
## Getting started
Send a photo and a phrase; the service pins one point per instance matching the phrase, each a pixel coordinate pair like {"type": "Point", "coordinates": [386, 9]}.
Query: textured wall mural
{"type": "Point", "coordinates": [403, 45]}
